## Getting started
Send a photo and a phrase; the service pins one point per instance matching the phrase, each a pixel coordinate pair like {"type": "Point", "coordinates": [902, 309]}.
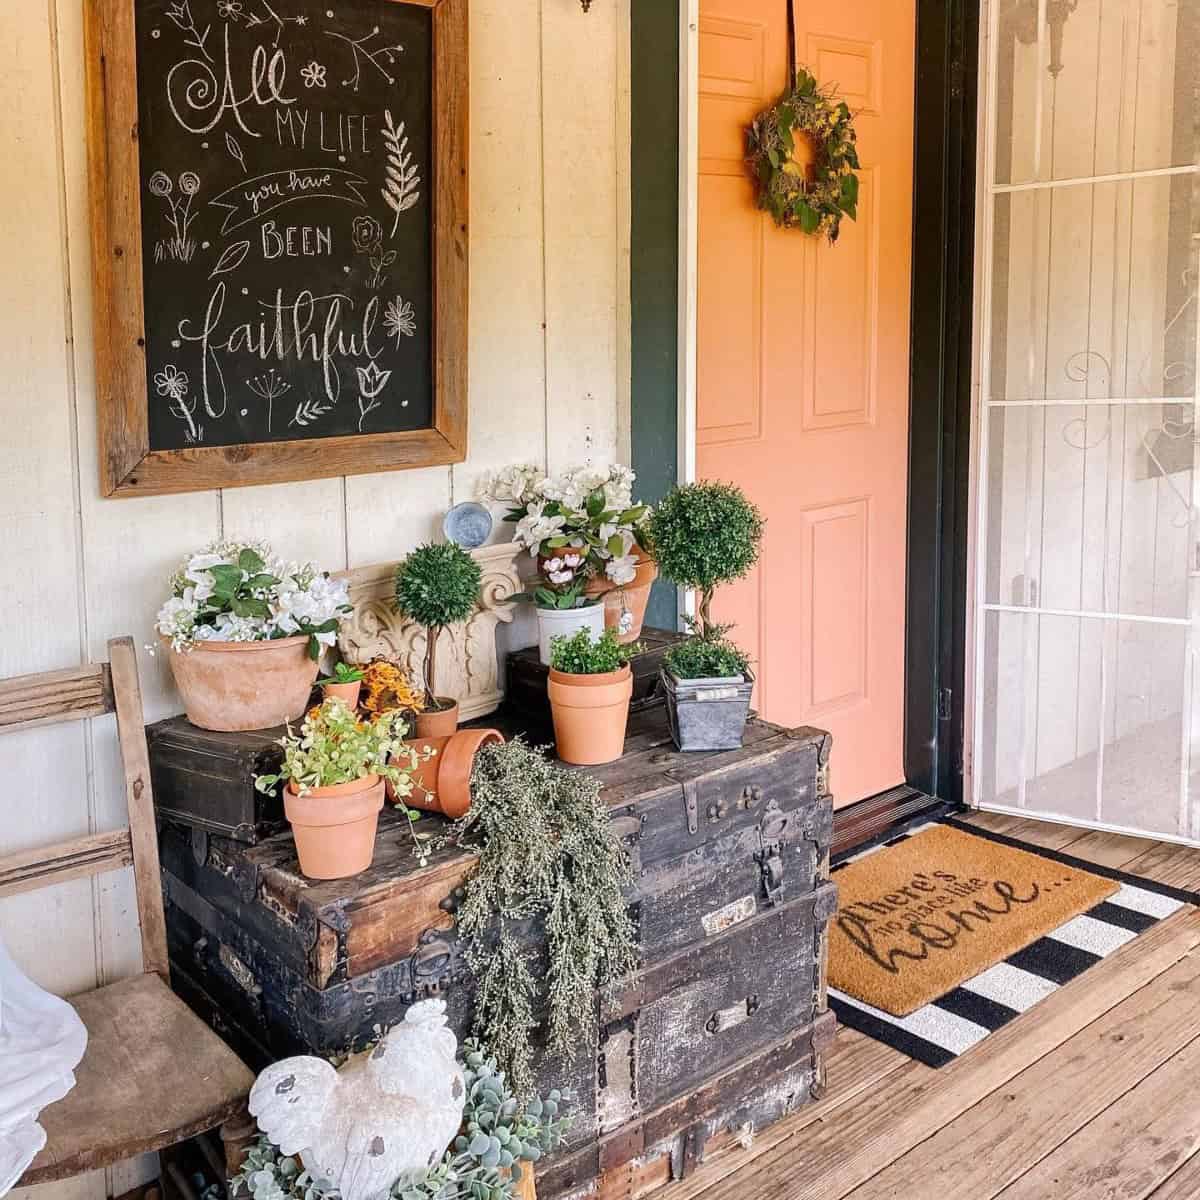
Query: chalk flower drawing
{"type": "Point", "coordinates": [272, 16]}
{"type": "Point", "coordinates": [230, 10]}
{"type": "Point", "coordinates": [180, 246]}
{"type": "Point", "coordinates": [364, 52]}
{"type": "Point", "coordinates": [366, 235]}
{"type": "Point", "coordinates": [269, 387]}
{"type": "Point", "coordinates": [173, 383]}
{"type": "Point", "coordinates": [371, 381]}
{"type": "Point", "coordinates": [399, 319]}
{"type": "Point", "coordinates": [401, 189]}
{"type": "Point", "coordinates": [180, 13]}
{"type": "Point", "coordinates": [313, 75]}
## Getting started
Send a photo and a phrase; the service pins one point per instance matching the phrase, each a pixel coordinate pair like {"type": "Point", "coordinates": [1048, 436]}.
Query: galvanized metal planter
{"type": "Point", "coordinates": [708, 714]}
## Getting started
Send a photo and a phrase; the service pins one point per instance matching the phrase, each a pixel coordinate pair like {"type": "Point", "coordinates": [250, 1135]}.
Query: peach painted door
{"type": "Point", "coordinates": [802, 381]}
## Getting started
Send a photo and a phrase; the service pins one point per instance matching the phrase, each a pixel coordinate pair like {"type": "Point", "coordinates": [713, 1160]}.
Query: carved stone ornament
{"type": "Point", "coordinates": [467, 665]}
{"type": "Point", "coordinates": [383, 1113]}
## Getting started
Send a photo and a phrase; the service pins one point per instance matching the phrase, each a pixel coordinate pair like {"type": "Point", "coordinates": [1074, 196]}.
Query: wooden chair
{"type": "Point", "coordinates": [153, 1073]}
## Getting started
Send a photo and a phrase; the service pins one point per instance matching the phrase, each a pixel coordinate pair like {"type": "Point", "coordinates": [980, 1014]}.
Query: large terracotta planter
{"type": "Point", "coordinates": [439, 722]}
{"type": "Point", "coordinates": [334, 827]}
{"type": "Point", "coordinates": [565, 622]}
{"type": "Point", "coordinates": [625, 604]}
{"type": "Point", "coordinates": [347, 692]}
{"type": "Point", "coordinates": [590, 713]}
{"type": "Point", "coordinates": [233, 686]}
{"type": "Point", "coordinates": [442, 782]}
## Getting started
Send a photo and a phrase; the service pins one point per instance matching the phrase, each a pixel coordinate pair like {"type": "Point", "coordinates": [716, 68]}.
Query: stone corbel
{"type": "Point", "coordinates": [468, 663]}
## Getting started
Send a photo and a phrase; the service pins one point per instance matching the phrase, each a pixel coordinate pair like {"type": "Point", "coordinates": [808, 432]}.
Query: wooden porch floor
{"type": "Point", "coordinates": [1091, 1095]}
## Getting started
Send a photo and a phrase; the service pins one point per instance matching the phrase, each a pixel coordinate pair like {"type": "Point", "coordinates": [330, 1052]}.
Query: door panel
{"type": "Point", "coordinates": [803, 377]}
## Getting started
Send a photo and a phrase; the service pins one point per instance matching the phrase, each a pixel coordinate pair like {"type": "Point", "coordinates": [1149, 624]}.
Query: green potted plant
{"type": "Point", "coordinates": [345, 683]}
{"type": "Point", "coordinates": [590, 687]}
{"type": "Point", "coordinates": [705, 535]}
{"type": "Point", "coordinates": [437, 585]}
{"type": "Point", "coordinates": [244, 630]}
{"type": "Point", "coordinates": [335, 769]}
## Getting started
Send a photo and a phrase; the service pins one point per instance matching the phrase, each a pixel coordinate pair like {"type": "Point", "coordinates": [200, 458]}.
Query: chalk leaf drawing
{"type": "Point", "coordinates": [173, 383]}
{"type": "Point", "coordinates": [313, 75]}
{"type": "Point", "coordinates": [179, 12]}
{"type": "Point", "coordinates": [272, 17]}
{"type": "Point", "coordinates": [180, 246]}
{"type": "Point", "coordinates": [309, 411]}
{"type": "Point", "coordinates": [401, 189]}
{"type": "Point", "coordinates": [235, 151]}
{"type": "Point", "coordinates": [365, 52]}
{"type": "Point", "coordinates": [399, 319]}
{"type": "Point", "coordinates": [269, 386]}
{"type": "Point", "coordinates": [231, 259]}
{"type": "Point", "coordinates": [371, 382]}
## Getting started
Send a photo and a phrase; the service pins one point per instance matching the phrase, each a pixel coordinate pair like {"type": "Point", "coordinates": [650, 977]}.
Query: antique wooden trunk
{"type": "Point", "coordinates": [722, 1027]}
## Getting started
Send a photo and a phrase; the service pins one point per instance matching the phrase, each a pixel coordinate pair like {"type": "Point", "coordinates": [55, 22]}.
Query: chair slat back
{"type": "Point", "coordinates": [89, 691]}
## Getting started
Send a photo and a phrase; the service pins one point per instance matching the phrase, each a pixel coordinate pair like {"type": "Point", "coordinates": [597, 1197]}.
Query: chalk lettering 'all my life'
{"type": "Point", "coordinates": [199, 100]}
{"type": "Point", "coordinates": [321, 329]}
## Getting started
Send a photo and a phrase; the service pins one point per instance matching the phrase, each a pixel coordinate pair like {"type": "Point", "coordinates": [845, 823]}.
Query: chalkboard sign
{"type": "Point", "coordinates": [284, 244]}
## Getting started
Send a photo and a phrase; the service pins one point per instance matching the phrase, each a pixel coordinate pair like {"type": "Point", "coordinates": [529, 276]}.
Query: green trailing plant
{"type": "Point", "coordinates": [343, 672]}
{"type": "Point", "coordinates": [710, 656]}
{"type": "Point", "coordinates": [547, 852]}
{"type": "Point", "coordinates": [437, 585]}
{"type": "Point", "coordinates": [580, 655]}
{"type": "Point", "coordinates": [499, 1138]}
{"type": "Point", "coordinates": [704, 535]}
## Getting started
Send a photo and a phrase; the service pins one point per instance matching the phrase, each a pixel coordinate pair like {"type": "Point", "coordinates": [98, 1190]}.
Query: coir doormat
{"type": "Point", "coordinates": [946, 934]}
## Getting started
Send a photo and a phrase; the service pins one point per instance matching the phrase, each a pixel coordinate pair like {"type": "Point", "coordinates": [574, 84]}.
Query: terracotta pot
{"type": "Point", "coordinates": [442, 784]}
{"type": "Point", "coordinates": [625, 605]}
{"type": "Point", "coordinates": [334, 827]}
{"type": "Point", "coordinates": [440, 722]}
{"type": "Point", "coordinates": [564, 622]}
{"type": "Point", "coordinates": [343, 691]}
{"type": "Point", "coordinates": [233, 686]}
{"type": "Point", "coordinates": [590, 712]}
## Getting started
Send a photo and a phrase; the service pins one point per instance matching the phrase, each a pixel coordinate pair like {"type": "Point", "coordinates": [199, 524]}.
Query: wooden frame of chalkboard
{"type": "Point", "coordinates": [134, 459]}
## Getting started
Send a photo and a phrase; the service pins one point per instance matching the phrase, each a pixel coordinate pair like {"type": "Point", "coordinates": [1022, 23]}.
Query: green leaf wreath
{"type": "Point", "coordinates": [814, 201]}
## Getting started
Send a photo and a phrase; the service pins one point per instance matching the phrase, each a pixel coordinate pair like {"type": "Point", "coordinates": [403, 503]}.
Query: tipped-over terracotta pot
{"type": "Point", "coordinates": [438, 722]}
{"type": "Point", "coordinates": [347, 692]}
{"type": "Point", "coordinates": [442, 783]}
{"type": "Point", "coordinates": [625, 604]}
{"type": "Point", "coordinates": [590, 712]}
{"type": "Point", "coordinates": [334, 827]}
{"type": "Point", "coordinates": [233, 686]}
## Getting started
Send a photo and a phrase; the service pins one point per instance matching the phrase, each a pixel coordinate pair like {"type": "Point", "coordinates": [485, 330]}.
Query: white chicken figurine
{"type": "Point", "coordinates": [383, 1113]}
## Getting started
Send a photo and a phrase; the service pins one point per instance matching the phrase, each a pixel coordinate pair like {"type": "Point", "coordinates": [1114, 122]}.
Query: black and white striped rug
{"type": "Point", "coordinates": [938, 1033]}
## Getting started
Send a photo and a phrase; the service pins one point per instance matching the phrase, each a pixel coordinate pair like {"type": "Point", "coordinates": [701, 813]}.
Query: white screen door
{"type": "Point", "coordinates": [1087, 558]}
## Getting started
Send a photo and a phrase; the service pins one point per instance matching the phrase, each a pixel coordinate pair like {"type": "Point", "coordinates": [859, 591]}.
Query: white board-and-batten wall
{"type": "Point", "coordinates": [549, 384]}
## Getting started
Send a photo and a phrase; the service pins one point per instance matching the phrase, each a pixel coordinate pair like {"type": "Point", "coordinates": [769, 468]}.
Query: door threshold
{"type": "Point", "coordinates": [886, 815]}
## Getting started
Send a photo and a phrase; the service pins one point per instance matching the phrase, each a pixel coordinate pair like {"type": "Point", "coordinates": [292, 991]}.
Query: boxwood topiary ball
{"type": "Point", "coordinates": [438, 585]}
{"type": "Point", "coordinates": [706, 534]}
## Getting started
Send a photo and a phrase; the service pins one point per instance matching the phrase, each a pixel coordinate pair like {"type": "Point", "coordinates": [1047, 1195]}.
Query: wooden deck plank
{"type": "Point", "coordinates": [1110, 849]}
{"type": "Point", "coordinates": [1183, 1185]}
{"type": "Point", "coordinates": [1132, 1148]}
{"type": "Point", "coordinates": [1047, 834]}
{"type": "Point", "coordinates": [1030, 1116]}
{"type": "Point", "coordinates": [855, 1064]}
{"type": "Point", "coordinates": [913, 1103]}
{"type": "Point", "coordinates": [1178, 866]}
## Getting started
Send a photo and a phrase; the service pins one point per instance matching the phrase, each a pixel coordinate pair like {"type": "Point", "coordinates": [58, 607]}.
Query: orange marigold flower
{"type": "Point", "coordinates": [387, 687]}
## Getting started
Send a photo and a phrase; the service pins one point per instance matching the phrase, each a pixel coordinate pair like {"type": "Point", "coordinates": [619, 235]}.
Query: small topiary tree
{"type": "Point", "coordinates": [704, 535]}
{"type": "Point", "coordinates": [437, 585]}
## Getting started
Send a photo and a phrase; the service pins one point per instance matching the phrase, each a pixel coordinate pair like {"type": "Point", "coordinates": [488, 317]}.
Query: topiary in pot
{"type": "Point", "coordinates": [437, 585]}
{"type": "Point", "coordinates": [705, 535]}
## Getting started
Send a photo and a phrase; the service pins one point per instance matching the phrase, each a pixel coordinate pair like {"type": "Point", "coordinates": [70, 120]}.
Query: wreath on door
{"type": "Point", "coordinates": [803, 156]}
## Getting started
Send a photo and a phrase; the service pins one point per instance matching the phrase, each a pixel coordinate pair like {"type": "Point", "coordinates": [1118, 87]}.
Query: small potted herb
{"type": "Point", "coordinates": [345, 683]}
{"type": "Point", "coordinates": [335, 769]}
{"type": "Point", "coordinates": [590, 687]}
{"type": "Point", "coordinates": [244, 630]}
{"type": "Point", "coordinates": [705, 535]}
{"type": "Point", "coordinates": [437, 585]}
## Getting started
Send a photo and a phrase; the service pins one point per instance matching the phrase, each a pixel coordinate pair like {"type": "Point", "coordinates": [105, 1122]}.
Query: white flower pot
{"type": "Point", "coordinates": [564, 622]}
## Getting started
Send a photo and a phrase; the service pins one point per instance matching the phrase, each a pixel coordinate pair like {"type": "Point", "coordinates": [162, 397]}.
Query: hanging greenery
{"type": "Point", "coordinates": [809, 195]}
{"type": "Point", "coordinates": [547, 852]}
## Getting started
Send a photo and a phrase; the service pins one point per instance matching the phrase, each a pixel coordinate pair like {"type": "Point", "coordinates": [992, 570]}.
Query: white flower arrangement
{"type": "Point", "coordinates": [236, 591]}
{"type": "Point", "coordinates": [585, 513]}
